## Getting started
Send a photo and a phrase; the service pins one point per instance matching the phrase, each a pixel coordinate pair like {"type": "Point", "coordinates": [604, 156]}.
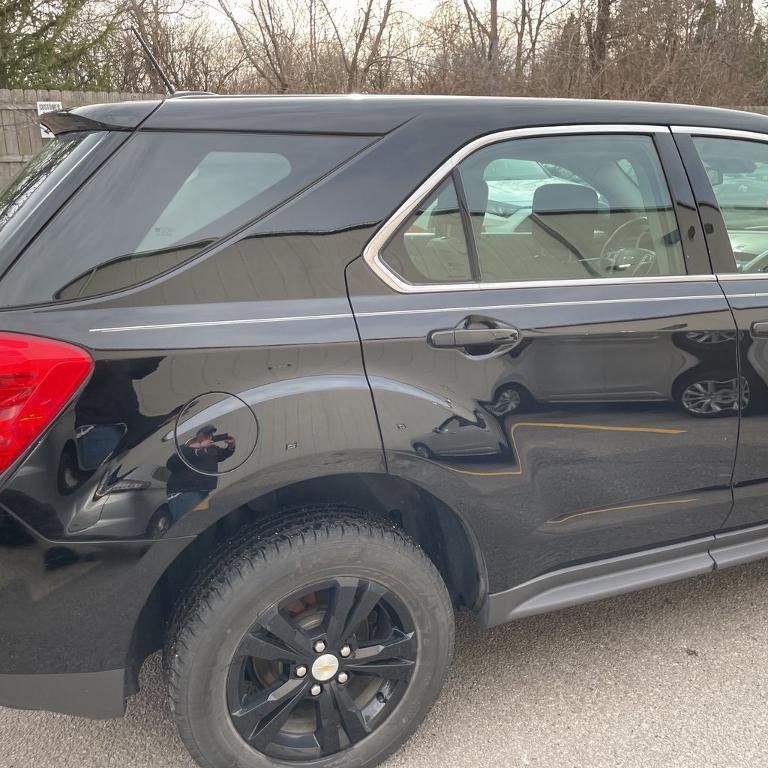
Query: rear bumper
{"type": "Point", "coordinates": [98, 695]}
{"type": "Point", "coordinates": [71, 638]}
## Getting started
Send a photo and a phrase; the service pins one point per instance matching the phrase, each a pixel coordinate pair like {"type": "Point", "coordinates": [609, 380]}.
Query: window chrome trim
{"type": "Point", "coordinates": [372, 251]}
{"type": "Point", "coordinates": [541, 305]}
{"type": "Point", "coordinates": [742, 275]}
{"type": "Point", "coordinates": [725, 133]}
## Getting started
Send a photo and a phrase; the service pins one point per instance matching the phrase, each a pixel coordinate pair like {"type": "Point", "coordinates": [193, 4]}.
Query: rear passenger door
{"type": "Point", "coordinates": [729, 171]}
{"type": "Point", "coordinates": [551, 290]}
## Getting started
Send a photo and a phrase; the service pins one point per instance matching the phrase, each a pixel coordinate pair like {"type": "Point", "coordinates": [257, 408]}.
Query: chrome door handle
{"type": "Point", "coordinates": [760, 328]}
{"type": "Point", "coordinates": [452, 338]}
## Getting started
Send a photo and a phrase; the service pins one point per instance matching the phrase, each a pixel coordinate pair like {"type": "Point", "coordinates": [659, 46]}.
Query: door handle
{"type": "Point", "coordinates": [453, 338]}
{"type": "Point", "coordinates": [760, 328]}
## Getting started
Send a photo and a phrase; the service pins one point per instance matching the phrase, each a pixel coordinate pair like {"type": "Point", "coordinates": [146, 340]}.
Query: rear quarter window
{"type": "Point", "coordinates": [158, 202]}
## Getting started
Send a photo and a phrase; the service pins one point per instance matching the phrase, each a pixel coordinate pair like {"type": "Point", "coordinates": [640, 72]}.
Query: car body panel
{"type": "Point", "coordinates": [580, 480]}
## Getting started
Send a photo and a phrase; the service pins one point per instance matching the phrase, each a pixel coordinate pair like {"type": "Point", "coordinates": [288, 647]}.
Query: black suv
{"type": "Point", "coordinates": [285, 381]}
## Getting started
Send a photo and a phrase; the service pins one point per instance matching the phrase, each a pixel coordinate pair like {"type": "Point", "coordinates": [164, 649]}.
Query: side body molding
{"type": "Point", "coordinates": [594, 581]}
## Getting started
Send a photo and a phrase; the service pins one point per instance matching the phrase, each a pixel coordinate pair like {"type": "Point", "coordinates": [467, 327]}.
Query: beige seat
{"type": "Point", "coordinates": [443, 258]}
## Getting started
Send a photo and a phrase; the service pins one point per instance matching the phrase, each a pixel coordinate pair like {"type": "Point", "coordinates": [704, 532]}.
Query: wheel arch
{"type": "Point", "coordinates": [437, 527]}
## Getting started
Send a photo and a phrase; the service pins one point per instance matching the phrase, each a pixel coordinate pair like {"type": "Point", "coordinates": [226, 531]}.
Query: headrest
{"type": "Point", "coordinates": [564, 198]}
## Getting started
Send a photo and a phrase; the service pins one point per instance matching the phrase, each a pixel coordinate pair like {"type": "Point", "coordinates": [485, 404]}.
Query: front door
{"type": "Point", "coordinates": [548, 351]}
{"type": "Point", "coordinates": [729, 170]}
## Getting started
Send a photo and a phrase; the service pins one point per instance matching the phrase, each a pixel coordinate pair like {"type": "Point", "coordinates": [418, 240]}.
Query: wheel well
{"type": "Point", "coordinates": [438, 529]}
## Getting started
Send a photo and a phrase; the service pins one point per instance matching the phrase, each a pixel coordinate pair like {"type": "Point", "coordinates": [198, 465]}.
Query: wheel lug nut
{"type": "Point", "coordinates": [345, 651]}
{"type": "Point", "coordinates": [315, 690]}
{"type": "Point", "coordinates": [319, 646]}
{"type": "Point", "coordinates": [301, 671]}
{"type": "Point", "coordinates": [343, 677]}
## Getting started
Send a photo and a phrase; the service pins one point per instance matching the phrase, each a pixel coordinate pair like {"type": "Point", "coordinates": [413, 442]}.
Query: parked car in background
{"type": "Point", "coordinates": [286, 381]}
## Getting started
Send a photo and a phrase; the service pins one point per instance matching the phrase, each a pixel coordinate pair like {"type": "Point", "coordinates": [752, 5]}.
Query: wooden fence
{"type": "Point", "coordinates": [20, 136]}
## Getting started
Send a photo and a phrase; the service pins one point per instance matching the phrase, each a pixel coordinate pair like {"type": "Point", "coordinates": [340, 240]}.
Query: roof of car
{"type": "Point", "coordinates": [376, 115]}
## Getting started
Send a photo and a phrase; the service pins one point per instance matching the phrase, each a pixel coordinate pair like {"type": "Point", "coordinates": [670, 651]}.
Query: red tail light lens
{"type": "Point", "coordinates": [37, 378]}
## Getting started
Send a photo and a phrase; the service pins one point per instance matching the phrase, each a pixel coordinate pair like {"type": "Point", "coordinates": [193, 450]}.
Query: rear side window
{"type": "Point", "coordinates": [40, 177]}
{"type": "Point", "coordinates": [431, 246]}
{"type": "Point", "coordinates": [159, 201]}
{"type": "Point", "coordinates": [603, 211]}
{"type": "Point", "coordinates": [36, 173]}
{"type": "Point", "coordinates": [545, 209]}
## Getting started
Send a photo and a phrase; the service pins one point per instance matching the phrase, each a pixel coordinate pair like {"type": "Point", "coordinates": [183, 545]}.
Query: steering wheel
{"type": "Point", "coordinates": [635, 260]}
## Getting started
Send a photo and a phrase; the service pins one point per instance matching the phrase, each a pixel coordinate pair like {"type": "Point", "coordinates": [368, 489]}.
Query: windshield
{"type": "Point", "coordinates": [40, 176]}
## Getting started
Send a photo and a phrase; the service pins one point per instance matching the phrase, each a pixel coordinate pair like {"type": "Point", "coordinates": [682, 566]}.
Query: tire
{"type": "Point", "coordinates": [261, 582]}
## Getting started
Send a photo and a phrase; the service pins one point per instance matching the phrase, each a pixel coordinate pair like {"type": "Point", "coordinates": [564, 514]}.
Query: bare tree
{"type": "Point", "coordinates": [633, 49]}
{"type": "Point", "coordinates": [597, 40]}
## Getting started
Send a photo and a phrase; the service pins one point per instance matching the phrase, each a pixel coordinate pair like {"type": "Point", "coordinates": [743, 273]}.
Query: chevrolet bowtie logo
{"type": "Point", "coordinates": [325, 667]}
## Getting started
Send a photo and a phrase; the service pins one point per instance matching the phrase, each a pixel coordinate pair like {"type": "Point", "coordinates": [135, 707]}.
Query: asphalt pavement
{"type": "Point", "coordinates": [673, 676]}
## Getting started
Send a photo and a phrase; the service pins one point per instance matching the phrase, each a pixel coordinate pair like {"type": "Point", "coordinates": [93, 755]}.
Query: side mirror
{"type": "Point", "coordinates": [715, 176]}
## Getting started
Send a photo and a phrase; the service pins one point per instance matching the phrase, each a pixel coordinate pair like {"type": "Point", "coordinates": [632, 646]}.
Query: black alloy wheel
{"type": "Point", "coordinates": [319, 672]}
{"type": "Point", "coordinates": [317, 639]}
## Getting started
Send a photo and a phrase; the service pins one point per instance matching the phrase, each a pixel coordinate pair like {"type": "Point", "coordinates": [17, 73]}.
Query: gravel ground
{"type": "Point", "coordinates": [673, 676]}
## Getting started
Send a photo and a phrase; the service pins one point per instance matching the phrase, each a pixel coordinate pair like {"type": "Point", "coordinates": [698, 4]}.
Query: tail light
{"type": "Point", "coordinates": [37, 378]}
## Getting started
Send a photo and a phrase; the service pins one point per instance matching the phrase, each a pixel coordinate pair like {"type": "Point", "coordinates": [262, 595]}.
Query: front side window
{"type": "Point", "coordinates": [738, 172]}
{"type": "Point", "coordinates": [543, 209]}
{"type": "Point", "coordinates": [159, 201]}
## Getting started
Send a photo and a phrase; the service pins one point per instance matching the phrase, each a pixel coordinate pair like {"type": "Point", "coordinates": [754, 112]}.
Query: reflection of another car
{"type": "Point", "coordinates": [511, 187]}
{"type": "Point", "coordinates": [458, 436]}
{"type": "Point", "coordinates": [750, 247]}
{"type": "Point", "coordinates": [745, 190]}
{"type": "Point", "coordinates": [137, 497]}
{"type": "Point", "coordinates": [700, 388]}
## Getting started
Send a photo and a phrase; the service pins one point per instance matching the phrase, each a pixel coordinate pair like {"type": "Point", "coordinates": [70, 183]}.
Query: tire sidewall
{"type": "Point", "coordinates": [251, 589]}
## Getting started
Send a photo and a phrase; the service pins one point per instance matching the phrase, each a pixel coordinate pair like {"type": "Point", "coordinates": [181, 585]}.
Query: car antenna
{"type": "Point", "coordinates": [154, 62]}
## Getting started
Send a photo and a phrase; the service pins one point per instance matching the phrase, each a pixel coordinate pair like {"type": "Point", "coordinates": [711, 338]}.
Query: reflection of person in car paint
{"type": "Point", "coordinates": [187, 487]}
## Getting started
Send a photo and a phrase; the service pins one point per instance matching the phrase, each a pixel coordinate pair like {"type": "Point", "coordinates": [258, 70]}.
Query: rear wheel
{"type": "Point", "coordinates": [325, 644]}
